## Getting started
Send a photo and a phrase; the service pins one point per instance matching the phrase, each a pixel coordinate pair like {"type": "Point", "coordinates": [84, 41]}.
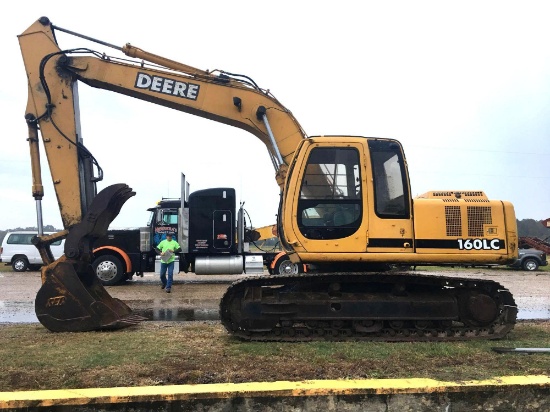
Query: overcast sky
{"type": "Point", "coordinates": [465, 87]}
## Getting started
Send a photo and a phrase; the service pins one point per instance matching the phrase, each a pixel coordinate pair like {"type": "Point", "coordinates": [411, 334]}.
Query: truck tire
{"type": "Point", "coordinates": [530, 264]}
{"type": "Point", "coordinates": [284, 266]}
{"type": "Point", "coordinates": [20, 263]}
{"type": "Point", "coordinates": [108, 269]}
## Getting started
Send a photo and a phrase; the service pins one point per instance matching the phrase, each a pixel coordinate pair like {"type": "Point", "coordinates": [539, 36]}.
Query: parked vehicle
{"type": "Point", "coordinates": [18, 251]}
{"type": "Point", "coordinates": [530, 259]}
{"type": "Point", "coordinates": [211, 233]}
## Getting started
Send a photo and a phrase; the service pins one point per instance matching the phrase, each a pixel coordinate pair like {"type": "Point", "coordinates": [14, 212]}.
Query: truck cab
{"type": "Point", "coordinates": [164, 219]}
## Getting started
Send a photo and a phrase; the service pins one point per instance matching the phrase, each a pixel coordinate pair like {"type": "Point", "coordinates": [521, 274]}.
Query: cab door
{"type": "Point", "coordinates": [325, 200]}
{"type": "Point", "coordinates": [389, 212]}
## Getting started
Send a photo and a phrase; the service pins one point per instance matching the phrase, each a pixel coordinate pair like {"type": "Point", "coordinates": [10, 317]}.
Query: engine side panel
{"type": "Point", "coordinates": [460, 226]}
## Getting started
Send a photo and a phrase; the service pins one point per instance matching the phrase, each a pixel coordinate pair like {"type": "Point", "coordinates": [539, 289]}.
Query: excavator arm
{"type": "Point", "coordinates": [71, 298]}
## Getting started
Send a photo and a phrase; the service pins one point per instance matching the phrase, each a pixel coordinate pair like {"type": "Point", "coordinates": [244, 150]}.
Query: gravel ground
{"type": "Point", "coordinates": [17, 291]}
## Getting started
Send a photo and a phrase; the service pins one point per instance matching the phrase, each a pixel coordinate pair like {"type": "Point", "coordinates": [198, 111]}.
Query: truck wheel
{"type": "Point", "coordinates": [108, 269]}
{"type": "Point", "coordinates": [20, 264]}
{"type": "Point", "coordinates": [530, 264]}
{"type": "Point", "coordinates": [285, 266]}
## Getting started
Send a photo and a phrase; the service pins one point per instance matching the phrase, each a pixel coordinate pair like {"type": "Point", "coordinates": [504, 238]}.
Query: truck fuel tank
{"type": "Point", "coordinates": [219, 265]}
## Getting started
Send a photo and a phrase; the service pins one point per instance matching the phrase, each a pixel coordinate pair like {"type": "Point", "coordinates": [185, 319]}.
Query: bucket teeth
{"type": "Point", "coordinates": [127, 321]}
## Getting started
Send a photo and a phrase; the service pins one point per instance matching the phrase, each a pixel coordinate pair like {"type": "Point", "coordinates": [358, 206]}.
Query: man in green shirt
{"type": "Point", "coordinates": [167, 250]}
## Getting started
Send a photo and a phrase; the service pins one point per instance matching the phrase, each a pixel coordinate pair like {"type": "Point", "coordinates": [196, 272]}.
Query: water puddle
{"type": "Point", "coordinates": [178, 314]}
{"type": "Point", "coordinates": [170, 309]}
{"type": "Point", "coordinates": [533, 307]}
{"type": "Point", "coordinates": [17, 312]}
{"type": "Point", "coordinates": [534, 314]}
{"type": "Point", "coordinates": [158, 310]}
{"type": "Point", "coordinates": [23, 312]}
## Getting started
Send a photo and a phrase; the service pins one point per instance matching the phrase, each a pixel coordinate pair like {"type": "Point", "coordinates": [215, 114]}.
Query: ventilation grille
{"type": "Point", "coordinates": [476, 200]}
{"type": "Point", "coordinates": [460, 193]}
{"type": "Point", "coordinates": [450, 200]}
{"type": "Point", "coordinates": [453, 221]}
{"type": "Point", "coordinates": [477, 217]}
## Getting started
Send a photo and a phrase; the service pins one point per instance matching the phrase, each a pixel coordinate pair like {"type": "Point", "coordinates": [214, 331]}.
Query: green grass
{"type": "Point", "coordinates": [5, 268]}
{"type": "Point", "coordinates": [166, 353]}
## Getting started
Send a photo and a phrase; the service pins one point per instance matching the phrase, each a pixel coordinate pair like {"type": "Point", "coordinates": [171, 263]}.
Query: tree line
{"type": "Point", "coordinates": [533, 228]}
{"type": "Point", "coordinates": [47, 228]}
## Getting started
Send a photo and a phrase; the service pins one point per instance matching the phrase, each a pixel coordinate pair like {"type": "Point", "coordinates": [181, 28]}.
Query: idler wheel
{"type": "Point", "coordinates": [478, 309]}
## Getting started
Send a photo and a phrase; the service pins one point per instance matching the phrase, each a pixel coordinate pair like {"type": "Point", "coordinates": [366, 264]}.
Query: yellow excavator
{"type": "Point", "coordinates": [346, 211]}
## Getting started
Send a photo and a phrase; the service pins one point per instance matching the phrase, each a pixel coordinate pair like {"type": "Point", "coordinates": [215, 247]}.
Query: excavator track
{"type": "Point", "coordinates": [367, 307]}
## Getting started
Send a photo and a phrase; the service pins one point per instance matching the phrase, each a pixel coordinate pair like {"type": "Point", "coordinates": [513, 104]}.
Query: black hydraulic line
{"type": "Point", "coordinates": [254, 242]}
{"type": "Point", "coordinates": [243, 76]}
{"type": "Point", "coordinates": [82, 150]}
{"type": "Point", "coordinates": [86, 37]}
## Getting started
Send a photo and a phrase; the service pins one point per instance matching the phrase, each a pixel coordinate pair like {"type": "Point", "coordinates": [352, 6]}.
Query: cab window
{"type": "Point", "coordinates": [391, 192]}
{"type": "Point", "coordinates": [26, 239]}
{"type": "Point", "coordinates": [167, 216]}
{"type": "Point", "coordinates": [20, 239]}
{"type": "Point", "coordinates": [329, 206]}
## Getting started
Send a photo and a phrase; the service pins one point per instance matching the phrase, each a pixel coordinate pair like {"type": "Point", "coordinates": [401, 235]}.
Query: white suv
{"type": "Point", "coordinates": [17, 249]}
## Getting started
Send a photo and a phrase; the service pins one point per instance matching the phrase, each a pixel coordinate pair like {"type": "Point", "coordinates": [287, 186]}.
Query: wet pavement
{"type": "Point", "coordinates": [196, 298]}
{"type": "Point", "coordinates": [23, 312]}
{"type": "Point", "coordinates": [17, 312]}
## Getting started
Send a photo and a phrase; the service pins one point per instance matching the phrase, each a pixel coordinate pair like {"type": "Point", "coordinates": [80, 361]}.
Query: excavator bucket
{"type": "Point", "coordinates": [71, 301]}
{"type": "Point", "coordinates": [71, 298]}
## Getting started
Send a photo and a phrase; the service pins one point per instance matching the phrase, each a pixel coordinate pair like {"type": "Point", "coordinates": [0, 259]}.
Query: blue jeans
{"type": "Point", "coordinates": [170, 267]}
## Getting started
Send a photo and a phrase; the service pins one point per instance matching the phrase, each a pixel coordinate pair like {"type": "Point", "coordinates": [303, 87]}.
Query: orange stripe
{"type": "Point", "coordinates": [121, 252]}
{"type": "Point", "coordinates": [277, 256]}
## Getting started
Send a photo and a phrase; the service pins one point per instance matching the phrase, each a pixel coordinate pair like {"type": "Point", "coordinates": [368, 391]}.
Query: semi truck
{"type": "Point", "coordinates": [209, 227]}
